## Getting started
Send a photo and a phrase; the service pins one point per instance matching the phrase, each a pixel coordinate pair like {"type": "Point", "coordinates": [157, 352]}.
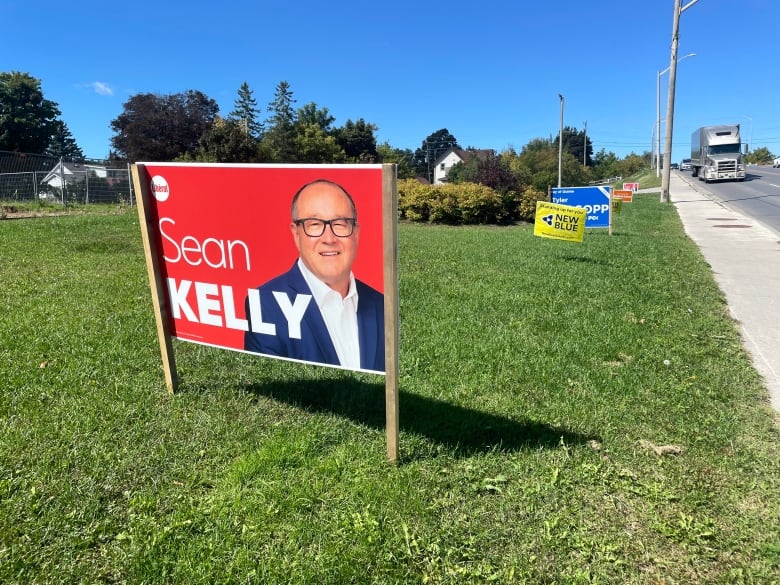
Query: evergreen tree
{"type": "Point", "coordinates": [433, 146]}
{"type": "Point", "coordinates": [358, 141]}
{"type": "Point", "coordinates": [245, 112]}
{"type": "Point", "coordinates": [280, 136]}
{"type": "Point", "coordinates": [63, 144]}
{"type": "Point", "coordinates": [574, 142]}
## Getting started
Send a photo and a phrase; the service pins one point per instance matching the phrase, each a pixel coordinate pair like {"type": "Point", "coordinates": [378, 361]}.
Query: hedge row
{"type": "Point", "coordinates": [464, 203]}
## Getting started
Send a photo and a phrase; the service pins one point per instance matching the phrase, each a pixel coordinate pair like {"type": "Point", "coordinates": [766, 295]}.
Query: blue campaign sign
{"type": "Point", "coordinates": [595, 200]}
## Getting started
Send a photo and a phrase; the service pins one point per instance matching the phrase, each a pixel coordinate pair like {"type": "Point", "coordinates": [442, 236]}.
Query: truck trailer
{"type": "Point", "coordinates": [716, 154]}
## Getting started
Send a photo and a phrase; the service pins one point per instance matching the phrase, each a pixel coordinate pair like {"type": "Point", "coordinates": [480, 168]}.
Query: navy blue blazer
{"type": "Point", "coordinates": [315, 344]}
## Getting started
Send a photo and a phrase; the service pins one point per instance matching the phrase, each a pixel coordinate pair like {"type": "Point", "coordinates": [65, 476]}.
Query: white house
{"type": "Point", "coordinates": [68, 173]}
{"type": "Point", "coordinates": [450, 158]}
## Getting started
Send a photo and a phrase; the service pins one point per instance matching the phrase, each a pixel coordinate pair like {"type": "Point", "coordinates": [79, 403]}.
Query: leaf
{"type": "Point", "coordinates": [661, 450]}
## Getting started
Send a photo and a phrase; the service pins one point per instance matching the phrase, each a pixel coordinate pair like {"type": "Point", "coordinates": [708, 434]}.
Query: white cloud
{"type": "Point", "coordinates": [102, 88]}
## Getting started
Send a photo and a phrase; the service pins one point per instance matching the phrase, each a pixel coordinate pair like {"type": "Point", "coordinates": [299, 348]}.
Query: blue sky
{"type": "Point", "coordinates": [489, 72]}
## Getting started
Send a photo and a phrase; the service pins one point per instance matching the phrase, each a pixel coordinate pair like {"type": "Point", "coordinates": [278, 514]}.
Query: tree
{"type": "Point", "coordinates": [227, 142]}
{"type": "Point", "coordinates": [537, 163]}
{"type": "Point", "coordinates": [280, 136]}
{"type": "Point", "coordinates": [464, 172]}
{"type": "Point", "coordinates": [63, 144]}
{"type": "Point", "coordinates": [311, 115]}
{"type": "Point", "coordinates": [314, 145]}
{"type": "Point", "coordinates": [433, 146]}
{"type": "Point", "coordinates": [574, 142]}
{"type": "Point", "coordinates": [163, 127]}
{"type": "Point", "coordinates": [246, 113]}
{"type": "Point", "coordinates": [28, 121]}
{"type": "Point", "coordinates": [516, 165]}
{"type": "Point", "coordinates": [606, 165]}
{"type": "Point", "coordinates": [494, 172]}
{"type": "Point", "coordinates": [401, 157]}
{"type": "Point", "coordinates": [539, 160]}
{"type": "Point", "coordinates": [632, 164]}
{"type": "Point", "coordinates": [759, 156]}
{"type": "Point", "coordinates": [358, 141]}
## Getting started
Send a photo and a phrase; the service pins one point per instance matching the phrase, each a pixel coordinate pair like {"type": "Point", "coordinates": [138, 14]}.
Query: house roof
{"type": "Point", "coordinates": [70, 170]}
{"type": "Point", "coordinates": [465, 154]}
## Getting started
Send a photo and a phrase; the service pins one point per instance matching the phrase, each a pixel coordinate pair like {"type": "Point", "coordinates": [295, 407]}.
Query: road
{"type": "Point", "coordinates": [758, 196]}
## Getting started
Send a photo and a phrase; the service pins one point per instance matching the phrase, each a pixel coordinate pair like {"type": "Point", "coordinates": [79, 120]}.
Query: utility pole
{"type": "Point", "coordinates": [653, 163]}
{"type": "Point", "coordinates": [678, 10]}
{"type": "Point", "coordinates": [658, 122]}
{"type": "Point", "coordinates": [585, 147]}
{"type": "Point", "coordinates": [560, 143]}
{"type": "Point", "coordinates": [658, 115]}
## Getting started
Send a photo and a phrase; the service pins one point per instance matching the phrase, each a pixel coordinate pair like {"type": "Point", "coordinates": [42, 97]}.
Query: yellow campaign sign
{"type": "Point", "coordinates": [561, 222]}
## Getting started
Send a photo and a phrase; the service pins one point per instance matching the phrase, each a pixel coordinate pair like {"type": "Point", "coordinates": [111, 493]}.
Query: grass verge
{"type": "Point", "coordinates": [569, 414]}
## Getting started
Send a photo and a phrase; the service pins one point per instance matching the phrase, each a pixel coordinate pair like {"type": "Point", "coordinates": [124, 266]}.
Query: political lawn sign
{"type": "Point", "coordinates": [595, 201]}
{"type": "Point", "coordinates": [213, 233]}
{"type": "Point", "coordinates": [560, 222]}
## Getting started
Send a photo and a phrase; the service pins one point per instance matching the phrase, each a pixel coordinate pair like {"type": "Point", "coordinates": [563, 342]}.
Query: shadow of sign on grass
{"type": "Point", "coordinates": [463, 429]}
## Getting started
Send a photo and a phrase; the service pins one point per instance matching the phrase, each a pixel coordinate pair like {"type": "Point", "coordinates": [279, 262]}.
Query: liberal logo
{"type": "Point", "coordinates": [160, 188]}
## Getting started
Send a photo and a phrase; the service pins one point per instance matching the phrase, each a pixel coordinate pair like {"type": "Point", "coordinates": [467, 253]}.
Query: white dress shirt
{"type": "Point", "coordinates": [340, 316]}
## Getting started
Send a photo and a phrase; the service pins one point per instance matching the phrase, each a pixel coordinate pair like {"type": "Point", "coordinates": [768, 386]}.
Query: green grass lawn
{"type": "Point", "coordinates": [570, 414]}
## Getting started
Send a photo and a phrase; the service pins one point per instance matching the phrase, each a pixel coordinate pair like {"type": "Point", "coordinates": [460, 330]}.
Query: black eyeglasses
{"type": "Point", "coordinates": [341, 227]}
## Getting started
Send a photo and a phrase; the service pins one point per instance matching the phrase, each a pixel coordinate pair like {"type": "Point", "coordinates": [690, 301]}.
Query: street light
{"type": "Point", "coordinates": [658, 117]}
{"type": "Point", "coordinates": [678, 10]}
{"type": "Point", "coordinates": [560, 143]}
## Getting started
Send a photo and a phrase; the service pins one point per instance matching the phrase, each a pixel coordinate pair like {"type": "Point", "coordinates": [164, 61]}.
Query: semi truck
{"type": "Point", "coordinates": [717, 154]}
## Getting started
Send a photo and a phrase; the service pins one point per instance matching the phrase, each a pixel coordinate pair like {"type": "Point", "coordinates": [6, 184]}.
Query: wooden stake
{"type": "Point", "coordinates": [390, 231]}
{"type": "Point", "coordinates": [159, 298]}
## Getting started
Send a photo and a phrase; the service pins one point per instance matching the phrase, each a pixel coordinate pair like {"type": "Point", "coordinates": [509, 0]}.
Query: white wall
{"type": "Point", "coordinates": [447, 163]}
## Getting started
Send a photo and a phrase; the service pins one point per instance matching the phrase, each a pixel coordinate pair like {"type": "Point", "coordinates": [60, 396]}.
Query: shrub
{"type": "Point", "coordinates": [479, 204]}
{"type": "Point", "coordinates": [463, 203]}
{"type": "Point", "coordinates": [526, 207]}
{"type": "Point", "coordinates": [413, 200]}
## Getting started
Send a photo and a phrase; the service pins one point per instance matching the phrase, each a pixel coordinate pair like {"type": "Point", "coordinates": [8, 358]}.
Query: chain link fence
{"type": "Point", "coordinates": [41, 178]}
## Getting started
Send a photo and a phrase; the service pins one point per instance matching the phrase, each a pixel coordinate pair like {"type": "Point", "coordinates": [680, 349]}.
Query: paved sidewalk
{"type": "Point", "coordinates": [745, 260]}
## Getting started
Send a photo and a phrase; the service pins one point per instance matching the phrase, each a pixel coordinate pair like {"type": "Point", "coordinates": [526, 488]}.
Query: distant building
{"type": "Point", "coordinates": [67, 173]}
{"type": "Point", "coordinates": [452, 156]}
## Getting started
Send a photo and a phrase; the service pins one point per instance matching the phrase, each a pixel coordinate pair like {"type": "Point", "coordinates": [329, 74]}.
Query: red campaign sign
{"type": "Point", "coordinates": [631, 187]}
{"type": "Point", "coordinates": [223, 230]}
